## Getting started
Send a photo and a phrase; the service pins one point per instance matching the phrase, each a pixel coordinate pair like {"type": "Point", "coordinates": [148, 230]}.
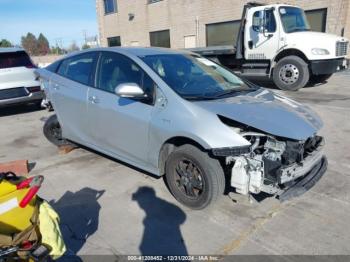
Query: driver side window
{"type": "Point", "coordinates": [115, 69]}
{"type": "Point", "coordinates": [264, 20]}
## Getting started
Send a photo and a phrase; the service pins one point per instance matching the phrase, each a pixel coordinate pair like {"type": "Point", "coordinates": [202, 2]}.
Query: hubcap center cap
{"type": "Point", "coordinates": [289, 74]}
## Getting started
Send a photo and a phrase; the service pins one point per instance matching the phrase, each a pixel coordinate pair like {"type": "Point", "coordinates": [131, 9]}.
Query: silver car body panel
{"type": "Point", "coordinates": [268, 112]}
{"type": "Point", "coordinates": [135, 132]}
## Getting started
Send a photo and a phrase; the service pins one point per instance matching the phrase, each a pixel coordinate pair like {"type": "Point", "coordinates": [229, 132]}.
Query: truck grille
{"type": "Point", "coordinates": [13, 93]}
{"type": "Point", "coordinates": [341, 48]}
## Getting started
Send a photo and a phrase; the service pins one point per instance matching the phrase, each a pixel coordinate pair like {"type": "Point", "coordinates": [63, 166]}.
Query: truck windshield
{"type": "Point", "coordinates": [293, 19]}
{"type": "Point", "coordinates": [194, 77]}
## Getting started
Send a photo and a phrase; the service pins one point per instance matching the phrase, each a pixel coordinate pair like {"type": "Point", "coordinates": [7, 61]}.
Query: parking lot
{"type": "Point", "coordinates": [107, 207]}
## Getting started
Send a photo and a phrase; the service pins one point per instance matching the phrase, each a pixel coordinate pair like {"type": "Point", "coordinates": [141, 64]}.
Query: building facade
{"type": "Point", "coordinates": [199, 23]}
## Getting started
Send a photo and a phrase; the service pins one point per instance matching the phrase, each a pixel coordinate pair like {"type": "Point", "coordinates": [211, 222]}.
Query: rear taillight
{"type": "Point", "coordinates": [33, 89]}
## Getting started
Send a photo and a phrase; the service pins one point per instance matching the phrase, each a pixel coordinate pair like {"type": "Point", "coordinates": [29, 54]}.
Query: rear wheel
{"type": "Point", "coordinates": [53, 132]}
{"type": "Point", "coordinates": [291, 73]}
{"type": "Point", "coordinates": [194, 179]}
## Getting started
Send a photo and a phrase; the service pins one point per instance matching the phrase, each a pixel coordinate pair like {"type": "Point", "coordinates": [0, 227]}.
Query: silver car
{"type": "Point", "coordinates": [18, 84]}
{"type": "Point", "coordinates": [177, 114]}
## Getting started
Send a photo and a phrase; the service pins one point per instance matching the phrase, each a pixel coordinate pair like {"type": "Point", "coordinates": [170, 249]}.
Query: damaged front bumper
{"type": "Point", "coordinates": [299, 187]}
{"type": "Point", "coordinates": [248, 176]}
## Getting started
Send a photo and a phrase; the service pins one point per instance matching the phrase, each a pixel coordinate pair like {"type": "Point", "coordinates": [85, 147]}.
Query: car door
{"type": "Point", "coordinates": [68, 94]}
{"type": "Point", "coordinates": [118, 125]}
{"type": "Point", "coordinates": [262, 34]}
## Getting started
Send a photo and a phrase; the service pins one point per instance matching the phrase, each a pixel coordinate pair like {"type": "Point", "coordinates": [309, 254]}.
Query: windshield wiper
{"type": "Point", "coordinates": [197, 98]}
{"type": "Point", "coordinates": [233, 91]}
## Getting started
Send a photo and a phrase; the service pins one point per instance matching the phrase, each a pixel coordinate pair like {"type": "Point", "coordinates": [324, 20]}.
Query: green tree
{"type": "Point", "coordinates": [85, 46]}
{"type": "Point", "coordinates": [43, 46]}
{"type": "Point", "coordinates": [56, 50]}
{"type": "Point", "coordinates": [30, 44]}
{"type": "Point", "coordinates": [5, 43]}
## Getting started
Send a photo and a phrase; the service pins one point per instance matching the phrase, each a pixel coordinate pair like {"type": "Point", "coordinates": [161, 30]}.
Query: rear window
{"type": "Point", "coordinates": [15, 59]}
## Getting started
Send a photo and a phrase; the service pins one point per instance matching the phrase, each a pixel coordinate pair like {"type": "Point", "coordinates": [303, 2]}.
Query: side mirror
{"type": "Point", "coordinates": [130, 90]}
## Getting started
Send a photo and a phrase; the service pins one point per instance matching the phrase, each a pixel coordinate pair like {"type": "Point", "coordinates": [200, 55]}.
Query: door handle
{"type": "Point", "coordinates": [250, 44]}
{"type": "Point", "coordinates": [94, 99]}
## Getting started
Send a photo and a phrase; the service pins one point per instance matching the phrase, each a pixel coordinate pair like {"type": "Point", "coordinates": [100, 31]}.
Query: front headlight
{"type": "Point", "coordinates": [319, 51]}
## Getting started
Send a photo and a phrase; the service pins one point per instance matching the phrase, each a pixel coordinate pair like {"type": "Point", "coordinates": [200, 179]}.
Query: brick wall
{"type": "Point", "coordinates": [180, 17]}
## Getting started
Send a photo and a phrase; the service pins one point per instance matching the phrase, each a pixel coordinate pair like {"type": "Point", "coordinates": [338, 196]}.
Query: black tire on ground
{"type": "Point", "coordinates": [317, 79]}
{"type": "Point", "coordinates": [53, 133]}
{"type": "Point", "coordinates": [204, 176]}
{"type": "Point", "coordinates": [291, 73]}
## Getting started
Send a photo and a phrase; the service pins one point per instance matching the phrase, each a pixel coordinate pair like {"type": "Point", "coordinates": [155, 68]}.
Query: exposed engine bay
{"type": "Point", "coordinates": [273, 164]}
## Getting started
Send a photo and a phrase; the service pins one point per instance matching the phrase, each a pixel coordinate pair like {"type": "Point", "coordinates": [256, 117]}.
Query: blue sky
{"type": "Point", "coordinates": [56, 19]}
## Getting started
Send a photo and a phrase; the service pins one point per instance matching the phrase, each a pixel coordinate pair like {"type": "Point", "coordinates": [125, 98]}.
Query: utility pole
{"type": "Point", "coordinates": [85, 37]}
{"type": "Point", "coordinates": [58, 41]}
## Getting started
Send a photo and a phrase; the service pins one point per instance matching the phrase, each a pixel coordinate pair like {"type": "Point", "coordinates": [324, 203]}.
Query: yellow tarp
{"type": "Point", "coordinates": [50, 230]}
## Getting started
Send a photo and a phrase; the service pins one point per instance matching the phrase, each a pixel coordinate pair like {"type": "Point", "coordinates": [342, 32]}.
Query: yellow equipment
{"type": "Point", "coordinates": [28, 225]}
{"type": "Point", "coordinates": [13, 218]}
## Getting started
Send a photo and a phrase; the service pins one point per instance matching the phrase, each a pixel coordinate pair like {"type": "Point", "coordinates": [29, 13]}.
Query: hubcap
{"type": "Point", "coordinates": [289, 74]}
{"type": "Point", "coordinates": [56, 131]}
{"type": "Point", "coordinates": [189, 179]}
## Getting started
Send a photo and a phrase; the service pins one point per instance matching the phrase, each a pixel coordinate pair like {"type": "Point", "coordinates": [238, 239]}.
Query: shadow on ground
{"type": "Point", "coordinates": [18, 109]}
{"type": "Point", "coordinates": [162, 234]}
{"type": "Point", "coordinates": [79, 216]}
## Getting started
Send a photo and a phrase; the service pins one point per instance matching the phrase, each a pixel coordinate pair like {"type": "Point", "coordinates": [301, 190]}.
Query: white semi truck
{"type": "Point", "coordinates": [275, 42]}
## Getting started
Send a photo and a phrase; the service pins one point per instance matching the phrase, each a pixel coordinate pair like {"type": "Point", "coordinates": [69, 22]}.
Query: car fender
{"type": "Point", "coordinates": [191, 122]}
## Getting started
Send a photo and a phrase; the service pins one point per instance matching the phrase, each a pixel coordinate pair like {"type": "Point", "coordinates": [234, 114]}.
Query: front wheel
{"type": "Point", "coordinates": [194, 179]}
{"type": "Point", "coordinates": [291, 73]}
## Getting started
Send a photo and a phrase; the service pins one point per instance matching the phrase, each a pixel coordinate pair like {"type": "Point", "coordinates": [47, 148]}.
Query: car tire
{"type": "Point", "coordinates": [53, 132]}
{"type": "Point", "coordinates": [291, 73]}
{"type": "Point", "coordinates": [319, 79]}
{"type": "Point", "coordinates": [204, 175]}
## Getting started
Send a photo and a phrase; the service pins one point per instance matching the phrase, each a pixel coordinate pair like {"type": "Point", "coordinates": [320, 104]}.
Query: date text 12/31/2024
{"type": "Point", "coordinates": [174, 258]}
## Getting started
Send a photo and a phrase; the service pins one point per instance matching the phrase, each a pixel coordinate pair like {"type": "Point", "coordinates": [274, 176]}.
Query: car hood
{"type": "Point", "coordinates": [268, 112]}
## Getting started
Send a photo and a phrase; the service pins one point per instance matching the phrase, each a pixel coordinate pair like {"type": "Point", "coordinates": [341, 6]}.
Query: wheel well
{"type": "Point", "coordinates": [169, 146]}
{"type": "Point", "coordinates": [285, 53]}
{"type": "Point", "coordinates": [289, 52]}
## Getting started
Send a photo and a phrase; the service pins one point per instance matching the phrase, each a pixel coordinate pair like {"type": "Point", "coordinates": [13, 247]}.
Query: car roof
{"type": "Point", "coordinates": [146, 51]}
{"type": "Point", "coordinates": [10, 49]}
{"type": "Point", "coordinates": [136, 51]}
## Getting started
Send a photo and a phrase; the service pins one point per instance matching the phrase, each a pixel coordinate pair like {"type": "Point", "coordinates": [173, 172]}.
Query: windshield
{"type": "Point", "coordinates": [194, 77]}
{"type": "Point", "coordinates": [293, 19]}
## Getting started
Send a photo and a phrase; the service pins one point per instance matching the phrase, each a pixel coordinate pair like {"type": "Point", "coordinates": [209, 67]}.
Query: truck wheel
{"type": "Point", "coordinates": [291, 73]}
{"type": "Point", "coordinates": [53, 132]}
{"type": "Point", "coordinates": [194, 179]}
{"type": "Point", "coordinates": [317, 79]}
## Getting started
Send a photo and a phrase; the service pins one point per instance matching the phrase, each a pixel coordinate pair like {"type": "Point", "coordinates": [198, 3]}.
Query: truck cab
{"type": "Point", "coordinates": [275, 41]}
